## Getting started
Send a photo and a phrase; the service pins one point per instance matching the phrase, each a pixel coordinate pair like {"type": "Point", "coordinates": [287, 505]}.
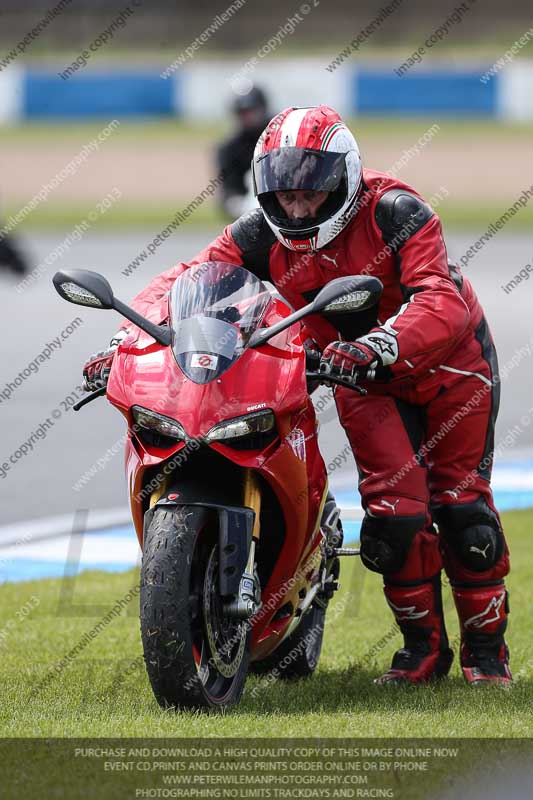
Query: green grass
{"type": "Point", "coordinates": [94, 697]}
{"type": "Point", "coordinates": [471, 216]}
{"type": "Point", "coordinates": [128, 217]}
{"type": "Point", "coordinates": [153, 129]}
{"type": "Point", "coordinates": [139, 131]}
{"type": "Point", "coordinates": [121, 216]}
{"type": "Point", "coordinates": [487, 47]}
{"type": "Point", "coordinates": [104, 692]}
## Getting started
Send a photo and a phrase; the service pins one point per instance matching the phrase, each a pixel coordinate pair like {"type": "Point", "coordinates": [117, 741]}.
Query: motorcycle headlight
{"type": "Point", "coordinates": [157, 430]}
{"type": "Point", "coordinates": [252, 425]}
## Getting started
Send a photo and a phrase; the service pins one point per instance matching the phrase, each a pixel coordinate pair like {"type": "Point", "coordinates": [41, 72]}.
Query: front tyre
{"type": "Point", "coordinates": [195, 656]}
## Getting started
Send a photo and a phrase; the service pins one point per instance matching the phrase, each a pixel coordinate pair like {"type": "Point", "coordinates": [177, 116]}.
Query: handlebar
{"type": "Point", "coordinates": [322, 378]}
{"type": "Point", "coordinates": [312, 358]}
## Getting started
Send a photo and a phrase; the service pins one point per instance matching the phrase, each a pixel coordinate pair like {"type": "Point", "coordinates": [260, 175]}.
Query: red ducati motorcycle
{"type": "Point", "coordinates": [240, 538]}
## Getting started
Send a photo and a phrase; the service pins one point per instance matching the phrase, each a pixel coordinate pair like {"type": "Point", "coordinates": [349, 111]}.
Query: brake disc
{"type": "Point", "coordinates": [223, 636]}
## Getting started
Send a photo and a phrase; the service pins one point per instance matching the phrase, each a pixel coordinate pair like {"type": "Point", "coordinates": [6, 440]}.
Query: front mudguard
{"type": "Point", "coordinates": [235, 533]}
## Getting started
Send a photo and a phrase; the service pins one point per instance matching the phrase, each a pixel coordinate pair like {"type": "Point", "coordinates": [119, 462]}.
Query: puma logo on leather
{"type": "Point", "coordinates": [333, 260]}
{"type": "Point", "coordinates": [474, 549]}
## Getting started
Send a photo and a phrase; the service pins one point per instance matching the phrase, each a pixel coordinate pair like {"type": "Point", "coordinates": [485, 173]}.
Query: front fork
{"type": "Point", "coordinates": [247, 601]}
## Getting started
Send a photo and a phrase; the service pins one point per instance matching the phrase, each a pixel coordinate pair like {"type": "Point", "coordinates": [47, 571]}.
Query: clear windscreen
{"type": "Point", "coordinates": [214, 309]}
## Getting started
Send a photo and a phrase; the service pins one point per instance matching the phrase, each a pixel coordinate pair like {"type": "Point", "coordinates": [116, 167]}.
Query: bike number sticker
{"type": "Point", "coordinates": [204, 360]}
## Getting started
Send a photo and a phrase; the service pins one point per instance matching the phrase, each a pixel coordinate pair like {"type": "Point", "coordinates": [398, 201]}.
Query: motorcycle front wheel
{"type": "Point", "coordinates": [195, 656]}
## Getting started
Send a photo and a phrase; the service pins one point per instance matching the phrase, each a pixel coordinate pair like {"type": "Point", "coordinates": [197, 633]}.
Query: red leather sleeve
{"type": "Point", "coordinates": [223, 248]}
{"type": "Point", "coordinates": [434, 316]}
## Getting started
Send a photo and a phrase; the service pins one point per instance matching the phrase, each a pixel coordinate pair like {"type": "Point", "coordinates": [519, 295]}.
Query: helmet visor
{"type": "Point", "coordinates": [295, 168]}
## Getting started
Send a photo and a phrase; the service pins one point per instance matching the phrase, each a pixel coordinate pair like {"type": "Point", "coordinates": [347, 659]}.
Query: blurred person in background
{"type": "Point", "coordinates": [234, 155]}
{"type": "Point", "coordinates": [423, 434]}
{"type": "Point", "coordinates": [10, 255]}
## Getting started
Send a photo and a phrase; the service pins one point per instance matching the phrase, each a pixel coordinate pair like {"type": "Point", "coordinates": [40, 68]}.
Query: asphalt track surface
{"type": "Point", "coordinates": [40, 483]}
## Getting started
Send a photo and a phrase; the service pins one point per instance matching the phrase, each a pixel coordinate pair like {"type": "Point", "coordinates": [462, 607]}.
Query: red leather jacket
{"type": "Point", "coordinates": [427, 313]}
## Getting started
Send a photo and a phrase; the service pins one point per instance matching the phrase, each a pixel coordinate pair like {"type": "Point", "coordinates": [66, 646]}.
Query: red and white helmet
{"type": "Point", "coordinates": [310, 149]}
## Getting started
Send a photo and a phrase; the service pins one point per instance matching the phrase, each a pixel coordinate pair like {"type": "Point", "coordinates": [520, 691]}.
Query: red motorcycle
{"type": "Point", "coordinates": [229, 497]}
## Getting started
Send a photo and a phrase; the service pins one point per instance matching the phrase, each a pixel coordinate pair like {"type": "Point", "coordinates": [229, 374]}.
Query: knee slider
{"type": "Point", "coordinates": [385, 541]}
{"type": "Point", "coordinates": [472, 532]}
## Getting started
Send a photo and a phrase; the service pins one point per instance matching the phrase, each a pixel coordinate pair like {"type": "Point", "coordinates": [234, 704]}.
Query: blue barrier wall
{"type": "Point", "coordinates": [446, 92]}
{"type": "Point", "coordinates": [203, 90]}
{"type": "Point", "coordinates": [120, 94]}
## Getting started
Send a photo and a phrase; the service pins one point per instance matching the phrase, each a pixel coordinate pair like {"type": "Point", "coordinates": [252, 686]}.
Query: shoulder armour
{"type": "Point", "coordinates": [251, 231]}
{"type": "Point", "coordinates": [399, 215]}
{"type": "Point", "coordinates": [254, 238]}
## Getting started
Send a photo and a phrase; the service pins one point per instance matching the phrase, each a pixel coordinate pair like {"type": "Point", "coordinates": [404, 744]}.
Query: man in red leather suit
{"type": "Point", "coordinates": [427, 360]}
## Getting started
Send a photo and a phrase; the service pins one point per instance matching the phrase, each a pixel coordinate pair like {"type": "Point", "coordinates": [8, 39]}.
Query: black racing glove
{"type": "Point", "coordinates": [351, 361]}
{"type": "Point", "coordinates": [97, 369]}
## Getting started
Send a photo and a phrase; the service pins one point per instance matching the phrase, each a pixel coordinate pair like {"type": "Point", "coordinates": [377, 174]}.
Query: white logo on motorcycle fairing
{"type": "Point", "coordinates": [408, 612]}
{"type": "Point", "coordinates": [480, 620]}
{"type": "Point", "coordinates": [205, 360]}
{"type": "Point", "coordinates": [296, 441]}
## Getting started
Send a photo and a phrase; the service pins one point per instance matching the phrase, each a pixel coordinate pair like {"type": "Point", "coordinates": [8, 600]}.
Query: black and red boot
{"type": "Point", "coordinates": [483, 612]}
{"type": "Point", "coordinates": [425, 654]}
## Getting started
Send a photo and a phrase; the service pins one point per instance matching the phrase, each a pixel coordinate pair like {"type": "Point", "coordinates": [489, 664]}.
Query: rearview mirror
{"type": "Point", "coordinates": [85, 288]}
{"type": "Point", "coordinates": [352, 293]}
